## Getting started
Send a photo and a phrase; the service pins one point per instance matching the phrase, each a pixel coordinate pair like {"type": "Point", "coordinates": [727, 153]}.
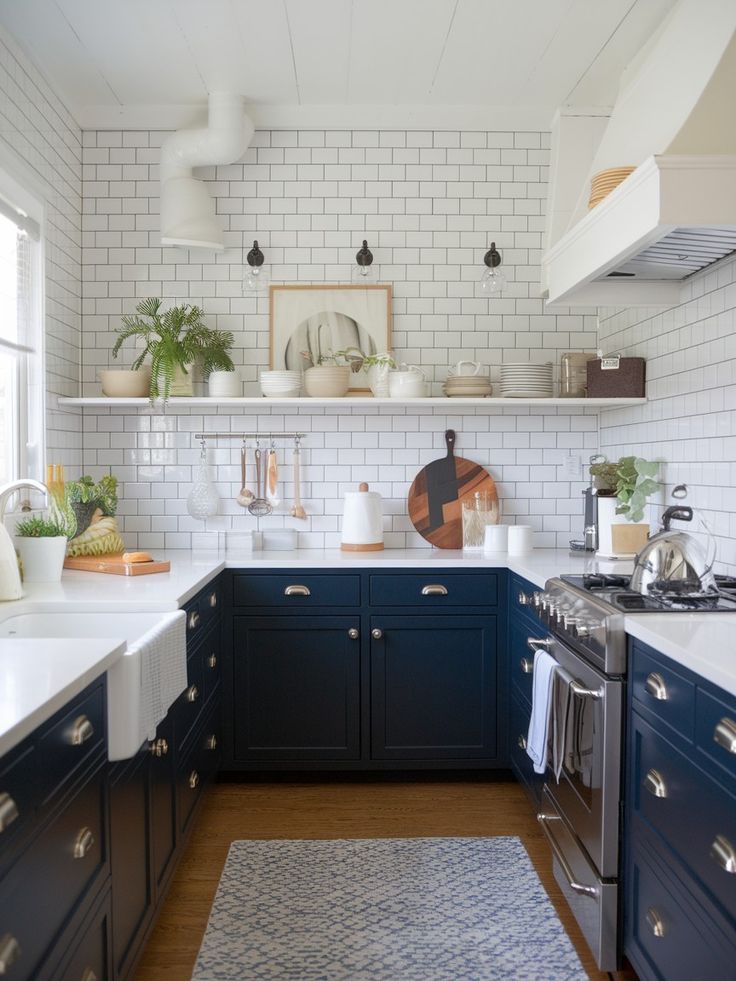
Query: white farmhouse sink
{"type": "Point", "coordinates": [142, 684]}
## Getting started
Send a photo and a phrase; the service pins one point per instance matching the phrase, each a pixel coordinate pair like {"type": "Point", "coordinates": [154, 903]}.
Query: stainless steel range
{"type": "Point", "coordinates": [581, 814]}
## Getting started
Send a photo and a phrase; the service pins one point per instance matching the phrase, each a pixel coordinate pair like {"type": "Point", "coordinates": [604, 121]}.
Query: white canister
{"type": "Point", "coordinates": [408, 382]}
{"type": "Point", "coordinates": [224, 385]}
{"type": "Point", "coordinates": [520, 539]}
{"type": "Point", "coordinates": [362, 522]}
{"type": "Point", "coordinates": [496, 538]}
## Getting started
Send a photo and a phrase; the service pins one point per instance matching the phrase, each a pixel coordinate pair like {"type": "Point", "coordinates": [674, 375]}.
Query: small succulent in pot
{"type": "Point", "coordinates": [38, 527]}
{"type": "Point", "coordinates": [41, 544]}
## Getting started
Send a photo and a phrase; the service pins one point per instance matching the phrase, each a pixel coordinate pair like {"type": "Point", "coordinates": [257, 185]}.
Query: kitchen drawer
{"type": "Point", "coordinates": [520, 762]}
{"type": "Point", "coordinates": [208, 654]}
{"type": "Point", "coordinates": [89, 957]}
{"type": "Point", "coordinates": [663, 692]}
{"type": "Point", "coordinates": [695, 815]}
{"type": "Point", "coordinates": [209, 602]}
{"type": "Point", "coordinates": [71, 740]}
{"type": "Point", "coordinates": [671, 932]}
{"type": "Point", "coordinates": [434, 590]}
{"type": "Point", "coordinates": [520, 598]}
{"type": "Point", "coordinates": [715, 732]}
{"type": "Point", "coordinates": [521, 660]}
{"type": "Point", "coordinates": [295, 591]}
{"type": "Point", "coordinates": [188, 706]}
{"type": "Point", "coordinates": [199, 762]}
{"type": "Point", "coordinates": [55, 877]}
{"type": "Point", "coordinates": [18, 799]}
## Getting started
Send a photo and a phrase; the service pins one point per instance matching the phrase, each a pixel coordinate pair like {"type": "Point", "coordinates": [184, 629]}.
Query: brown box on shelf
{"type": "Point", "coordinates": [616, 377]}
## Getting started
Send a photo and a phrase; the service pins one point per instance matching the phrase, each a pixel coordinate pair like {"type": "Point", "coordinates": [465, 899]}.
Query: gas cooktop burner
{"type": "Point", "coordinates": [682, 598]}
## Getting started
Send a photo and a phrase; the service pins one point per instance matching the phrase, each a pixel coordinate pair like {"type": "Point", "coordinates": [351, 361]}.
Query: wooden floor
{"type": "Point", "coordinates": [334, 810]}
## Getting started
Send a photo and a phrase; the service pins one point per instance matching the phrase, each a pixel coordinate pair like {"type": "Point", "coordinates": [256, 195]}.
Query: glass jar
{"type": "Point", "coordinates": [574, 374]}
{"type": "Point", "coordinates": [478, 510]}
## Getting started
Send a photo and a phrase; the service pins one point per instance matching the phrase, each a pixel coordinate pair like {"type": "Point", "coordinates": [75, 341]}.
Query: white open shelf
{"type": "Point", "coordinates": [265, 403]}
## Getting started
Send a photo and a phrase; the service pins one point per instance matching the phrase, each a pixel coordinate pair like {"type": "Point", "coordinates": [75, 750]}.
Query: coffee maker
{"type": "Point", "coordinates": [589, 541]}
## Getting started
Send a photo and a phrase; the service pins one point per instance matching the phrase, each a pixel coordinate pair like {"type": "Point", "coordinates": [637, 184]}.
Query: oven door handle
{"type": "Point", "coordinates": [578, 887]}
{"type": "Point", "coordinates": [581, 692]}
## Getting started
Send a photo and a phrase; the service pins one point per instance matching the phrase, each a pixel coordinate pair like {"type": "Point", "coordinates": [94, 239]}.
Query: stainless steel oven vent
{"type": "Point", "coordinates": [681, 253]}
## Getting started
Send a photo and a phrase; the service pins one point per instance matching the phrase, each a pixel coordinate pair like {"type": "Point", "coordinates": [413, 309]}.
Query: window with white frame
{"type": "Point", "coordinates": [21, 389]}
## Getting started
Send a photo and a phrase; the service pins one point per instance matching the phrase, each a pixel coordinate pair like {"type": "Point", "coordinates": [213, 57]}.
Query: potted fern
{"type": "Point", "coordinates": [175, 339]}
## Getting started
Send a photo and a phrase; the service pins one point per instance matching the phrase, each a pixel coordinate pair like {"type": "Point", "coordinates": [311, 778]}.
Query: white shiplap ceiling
{"type": "Point", "coordinates": [443, 63]}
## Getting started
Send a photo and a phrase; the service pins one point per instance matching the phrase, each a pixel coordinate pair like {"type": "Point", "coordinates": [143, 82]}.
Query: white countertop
{"type": "Point", "coordinates": [37, 678]}
{"type": "Point", "coordinates": [56, 670]}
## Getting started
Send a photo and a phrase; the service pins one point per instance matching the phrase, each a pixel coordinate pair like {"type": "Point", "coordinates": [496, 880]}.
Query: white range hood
{"type": "Point", "coordinates": [672, 217]}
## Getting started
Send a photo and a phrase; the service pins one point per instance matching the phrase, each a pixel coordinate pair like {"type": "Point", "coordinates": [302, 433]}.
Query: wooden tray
{"type": "Point", "coordinates": [114, 565]}
{"type": "Point", "coordinates": [436, 494]}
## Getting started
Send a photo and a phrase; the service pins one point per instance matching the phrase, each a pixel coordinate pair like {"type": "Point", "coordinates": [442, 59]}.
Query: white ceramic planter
{"type": "Point", "coordinates": [609, 543]}
{"type": "Point", "coordinates": [117, 383]}
{"type": "Point", "coordinates": [224, 385]}
{"type": "Point", "coordinates": [42, 558]}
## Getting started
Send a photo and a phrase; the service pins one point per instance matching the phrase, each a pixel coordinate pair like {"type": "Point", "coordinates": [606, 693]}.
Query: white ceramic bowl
{"type": "Point", "coordinates": [327, 381]}
{"type": "Point", "coordinates": [118, 383]}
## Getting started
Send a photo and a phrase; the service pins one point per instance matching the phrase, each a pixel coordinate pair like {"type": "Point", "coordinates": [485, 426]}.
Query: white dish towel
{"type": "Point", "coordinates": [537, 739]}
{"type": "Point", "coordinates": [163, 677]}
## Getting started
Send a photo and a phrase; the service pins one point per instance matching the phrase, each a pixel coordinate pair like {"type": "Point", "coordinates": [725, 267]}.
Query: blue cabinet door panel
{"type": "Point", "coordinates": [433, 687]}
{"type": "Point", "coordinates": [715, 733]}
{"type": "Point", "coordinates": [296, 688]}
{"type": "Point", "coordinates": [677, 708]}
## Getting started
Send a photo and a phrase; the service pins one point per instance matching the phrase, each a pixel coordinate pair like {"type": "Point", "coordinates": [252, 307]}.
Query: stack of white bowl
{"type": "Point", "coordinates": [527, 381]}
{"type": "Point", "coordinates": [281, 384]}
{"type": "Point", "coordinates": [467, 386]}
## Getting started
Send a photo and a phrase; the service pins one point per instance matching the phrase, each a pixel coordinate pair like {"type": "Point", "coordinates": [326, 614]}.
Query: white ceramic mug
{"type": "Point", "coordinates": [496, 538]}
{"type": "Point", "coordinates": [520, 539]}
{"type": "Point", "coordinates": [408, 382]}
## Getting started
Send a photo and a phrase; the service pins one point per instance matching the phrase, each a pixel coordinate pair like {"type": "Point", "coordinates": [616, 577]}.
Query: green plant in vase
{"type": "Point", "coordinates": [175, 339]}
{"type": "Point", "coordinates": [635, 482]}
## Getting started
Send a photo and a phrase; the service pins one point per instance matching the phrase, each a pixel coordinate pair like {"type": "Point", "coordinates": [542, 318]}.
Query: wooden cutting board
{"type": "Point", "coordinates": [437, 491]}
{"type": "Point", "coordinates": [114, 565]}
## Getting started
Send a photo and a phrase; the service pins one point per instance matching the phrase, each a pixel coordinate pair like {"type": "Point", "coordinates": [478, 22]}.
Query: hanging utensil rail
{"type": "Point", "coordinates": [260, 435]}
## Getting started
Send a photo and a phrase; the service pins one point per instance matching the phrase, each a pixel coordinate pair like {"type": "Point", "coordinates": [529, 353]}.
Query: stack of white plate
{"type": "Point", "coordinates": [527, 381]}
{"type": "Point", "coordinates": [281, 384]}
{"type": "Point", "coordinates": [467, 386]}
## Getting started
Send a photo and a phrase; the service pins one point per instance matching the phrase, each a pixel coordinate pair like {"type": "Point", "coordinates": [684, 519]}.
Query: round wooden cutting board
{"type": "Point", "coordinates": [436, 494]}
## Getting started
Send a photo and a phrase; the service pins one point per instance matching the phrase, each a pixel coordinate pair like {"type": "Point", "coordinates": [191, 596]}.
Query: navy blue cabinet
{"type": "Point", "coordinates": [296, 687]}
{"type": "Point", "coordinates": [433, 687]}
{"type": "Point", "coordinates": [680, 849]}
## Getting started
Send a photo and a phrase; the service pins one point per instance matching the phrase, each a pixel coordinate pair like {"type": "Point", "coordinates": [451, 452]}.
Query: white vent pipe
{"type": "Point", "coordinates": [188, 216]}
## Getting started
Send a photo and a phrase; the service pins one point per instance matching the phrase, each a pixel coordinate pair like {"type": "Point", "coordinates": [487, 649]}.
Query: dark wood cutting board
{"type": "Point", "coordinates": [437, 491]}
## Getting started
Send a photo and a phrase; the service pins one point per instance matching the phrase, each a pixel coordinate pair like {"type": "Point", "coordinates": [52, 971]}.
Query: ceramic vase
{"type": "Point", "coordinates": [42, 558]}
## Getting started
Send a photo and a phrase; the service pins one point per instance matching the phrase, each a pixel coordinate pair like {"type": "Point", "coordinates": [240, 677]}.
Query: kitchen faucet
{"type": "Point", "coordinates": [10, 585]}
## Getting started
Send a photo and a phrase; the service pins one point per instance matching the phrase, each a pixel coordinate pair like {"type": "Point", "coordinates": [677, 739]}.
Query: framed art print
{"type": "Point", "coordinates": [312, 322]}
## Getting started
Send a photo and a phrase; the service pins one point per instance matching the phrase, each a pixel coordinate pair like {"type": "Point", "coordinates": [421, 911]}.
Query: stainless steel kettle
{"type": "Point", "coordinates": [675, 561]}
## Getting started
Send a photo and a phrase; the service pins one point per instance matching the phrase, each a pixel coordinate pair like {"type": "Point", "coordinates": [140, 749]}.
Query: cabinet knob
{"type": "Point", "coordinates": [8, 811]}
{"type": "Point", "coordinates": [297, 590]}
{"type": "Point", "coordinates": [353, 633]}
{"type": "Point", "coordinates": [211, 742]}
{"type": "Point", "coordinates": [434, 589]}
{"type": "Point", "coordinates": [724, 854]}
{"type": "Point", "coordinates": [654, 783]}
{"type": "Point", "coordinates": [212, 661]}
{"type": "Point", "coordinates": [655, 686]}
{"type": "Point", "coordinates": [192, 693]}
{"type": "Point", "coordinates": [193, 620]}
{"type": "Point", "coordinates": [213, 600]}
{"type": "Point", "coordinates": [193, 780]}
{"type": "Point", "coordinates": [84, 843]}
{"type": "Point", "coordinates": [159, 747]}
{"type": "Point", "coordinates": [521, 742]}
{"type": "Point", "coordinates": [655, 922]}
{"type": "Point", "coordinates": [725, 734]}
{"type": "Point", "coordinates": [9, 952]}
{"type": "Point", "coordinates": [81, 730]}
{"type": "Point", "coordinates": [526, 665]}
{"type": "Point", "coordinates": [376, 633]}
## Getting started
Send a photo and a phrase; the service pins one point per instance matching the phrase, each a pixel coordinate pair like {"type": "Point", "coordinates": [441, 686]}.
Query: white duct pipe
{"type": "Point", "coordinates": [188, 216]}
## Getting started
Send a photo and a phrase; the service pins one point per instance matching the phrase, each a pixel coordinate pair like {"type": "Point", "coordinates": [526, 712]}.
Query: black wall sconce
{"type": "Point", "coordinates": [256, 278]}
{"type": "Point", "coordinates": [363, 270]}
{"type": "Point", "coordinates": [493, 281]}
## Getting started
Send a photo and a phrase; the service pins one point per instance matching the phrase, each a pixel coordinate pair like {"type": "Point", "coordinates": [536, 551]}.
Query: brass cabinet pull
{"type": "Point", "coordinates": [526, 665]}
{"type": "Point", "coordinates": [213, 600]}
{"type": "Point", "coordinates": [9, 952]}
{"type": "Point", "coordinates": [192, 693]}
{"type": "Point", "coordinates": [81, 730]}
{"type": "Point", "coordinates": [8, 811]}
{"type": "Point", "coordinates": [725, 734]}
{"type": "Point", "coordinates": [193, 780]}
{"type": "Point", "coordinates": [654, 783]}
{"type": "Point", "coordinates": [521, 741]}
{"type": "Point", "coordinates": [724, 854]}
{"type": "Point", "coordinates": [212, 661]}
{"type": "Point", "coordinates": [655, 922]}
{"type": "Point", "coordinates": [84, 843]}
{"type": "Point", "coordinates": [434, 589]}
{"type": "Point", "coordinates": [353, 633]}
{"type": "Point", "coordinates": [655, 686]}
{"type": "Point", "coordinates": [211, 742]}
{"type": "Point", "coordinates": [376, 634]}
{"type": "Point", "coordinates": [297, 590]}
{"type": "Point", "coordinates": [88, 975]}
{"type": "Point", "coordinates": [159, 747]}
{"type": "Point", "coordinates": [193, 620]}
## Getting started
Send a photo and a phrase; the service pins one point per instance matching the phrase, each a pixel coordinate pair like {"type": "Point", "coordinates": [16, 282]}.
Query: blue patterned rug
{"type": "Point", "coordinates": [386, 909]}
